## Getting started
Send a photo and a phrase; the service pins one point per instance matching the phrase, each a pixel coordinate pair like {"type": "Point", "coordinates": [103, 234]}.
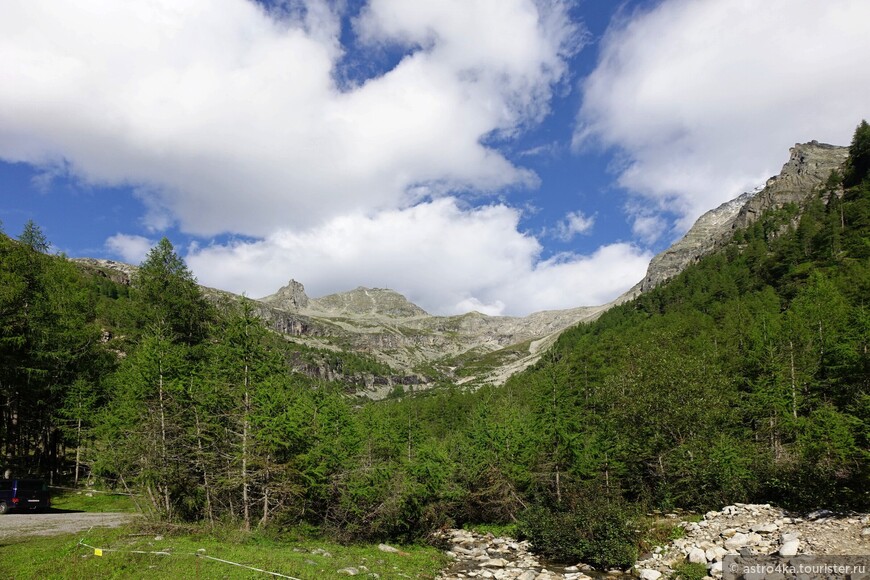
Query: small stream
{"type": "Point", "coordinates": [486, 556]}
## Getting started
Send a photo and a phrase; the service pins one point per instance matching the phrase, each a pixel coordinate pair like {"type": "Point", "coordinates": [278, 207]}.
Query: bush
{"type": "Point", "coordinates": [690, 571]}
{"type": "Point", "coordinates": [599, 530]}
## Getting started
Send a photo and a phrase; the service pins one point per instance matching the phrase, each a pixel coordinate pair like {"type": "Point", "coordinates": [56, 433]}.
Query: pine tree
{"type": "Point", "coordinates": [169, 295]}
{"type": "Point", "coordinates": [33, 238]}
{"type": "Point", "coordinates": [858, 164]}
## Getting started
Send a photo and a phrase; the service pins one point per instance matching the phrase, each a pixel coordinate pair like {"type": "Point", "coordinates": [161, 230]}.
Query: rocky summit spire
{"type": "Point", "coordinates": [291, 297]}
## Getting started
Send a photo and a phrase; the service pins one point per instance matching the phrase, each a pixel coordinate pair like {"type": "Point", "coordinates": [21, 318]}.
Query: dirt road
{"type": "Point", "coordinates": [53, 523]}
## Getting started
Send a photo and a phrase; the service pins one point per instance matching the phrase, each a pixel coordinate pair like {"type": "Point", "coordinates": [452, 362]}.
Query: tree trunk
{"type": "Point", "coordinates": [202, 464]}
{"type": "Point", "coordinates": [78, 449]}
{"type": "Point", "coordinates": [163, 454]}
{"type": "Point", "coordinates": [246, 508]}
{"type": "Point", "coordinates": [793, 382]}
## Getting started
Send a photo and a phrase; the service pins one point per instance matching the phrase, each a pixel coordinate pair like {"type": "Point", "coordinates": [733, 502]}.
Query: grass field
{"type": "Point", "coordinates": [184, 551]}
{"type": "Point", "coordinates": [92, 501]}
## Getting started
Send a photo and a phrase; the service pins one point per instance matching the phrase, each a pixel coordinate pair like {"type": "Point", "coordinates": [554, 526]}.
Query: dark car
{"type": "Point", "coordinates": [23, 494]}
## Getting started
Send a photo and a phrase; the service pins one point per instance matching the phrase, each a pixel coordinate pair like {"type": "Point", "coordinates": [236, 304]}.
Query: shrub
{"type": "Point", "coordinates": [690, 571]}
{"type": "Point", "coordinates": [597, 530]}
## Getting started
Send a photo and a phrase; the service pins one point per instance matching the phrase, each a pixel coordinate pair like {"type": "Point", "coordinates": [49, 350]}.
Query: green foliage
{"type": "Point", "coordinates": [858, 165]}
{"type": "Point", "coordinates": [167, 295]}
{"type": "Point", "coordinates": [601, 530]}
{"type": "Point", "coordinates": [690, 571]}
{"type": "Point", "coordinates": [33, 238]}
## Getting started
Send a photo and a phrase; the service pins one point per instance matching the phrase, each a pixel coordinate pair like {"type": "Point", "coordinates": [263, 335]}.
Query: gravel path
{"type": "Point", "coordinates": [50, 524]}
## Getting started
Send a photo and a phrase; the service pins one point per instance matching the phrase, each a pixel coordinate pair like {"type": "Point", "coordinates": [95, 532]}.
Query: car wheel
{"type": "Point", "coordinates": [3, 507]}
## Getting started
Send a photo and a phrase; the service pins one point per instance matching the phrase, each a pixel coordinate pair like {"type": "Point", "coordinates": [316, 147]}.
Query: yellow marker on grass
{"type": "Point", "coordinates": [98, 552]}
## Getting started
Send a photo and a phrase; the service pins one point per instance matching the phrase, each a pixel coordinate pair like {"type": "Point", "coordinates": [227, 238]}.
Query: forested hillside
{"type": "Point", "coordinates": [744, 378]}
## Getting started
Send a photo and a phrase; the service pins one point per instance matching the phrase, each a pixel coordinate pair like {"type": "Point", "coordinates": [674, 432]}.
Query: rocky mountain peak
{"type": "Point", "coordinates": [291, 297]}
{"type": "Point", "coordinates": [808, 167]}
{"type": "Point", "coordinates": [366, 302]}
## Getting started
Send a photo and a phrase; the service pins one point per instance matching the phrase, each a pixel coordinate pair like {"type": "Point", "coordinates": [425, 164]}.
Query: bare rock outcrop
{"type": "Point", "coordinates": [808, 168]}
{"type": "Point", "coordinates": [366, 302]}
{"type": "Point", "coordinates": [291, 297]}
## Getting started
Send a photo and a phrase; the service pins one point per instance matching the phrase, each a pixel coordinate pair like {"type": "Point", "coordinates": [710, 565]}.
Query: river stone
{"type": "Point", "coordinates": [494, 563]}
{"type": "Point", "coordinates": [768, 528]}
{"type": "Point", "coordinates": [790, 548]}
{"type": "Point", "coordinates": [349, 571]}
{"type": "Point", "coordinates": [527, 575]}
{"type": "Point", "coordinates": [697, 556]}
{"type": "Point", "coordinates": [650, 574]}
{"type": "Point", "coordinates": [736, 541]}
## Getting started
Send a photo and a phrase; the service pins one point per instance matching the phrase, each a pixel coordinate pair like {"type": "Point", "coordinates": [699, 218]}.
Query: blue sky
{"type": "Point", "coordinates": [505, 156]}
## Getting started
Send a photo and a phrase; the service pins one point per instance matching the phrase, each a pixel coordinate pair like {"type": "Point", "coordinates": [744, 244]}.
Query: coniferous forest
{"type": "Point", "coordinates": [745, 378]}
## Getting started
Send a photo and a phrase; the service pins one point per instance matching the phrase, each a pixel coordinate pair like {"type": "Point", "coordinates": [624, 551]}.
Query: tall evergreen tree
{"type": "Point", "coordinates": [858, 165]}
{"type": "Point", "coordinates": [169, 296]}
{"type": "Point", "coordinates": [33, 238]}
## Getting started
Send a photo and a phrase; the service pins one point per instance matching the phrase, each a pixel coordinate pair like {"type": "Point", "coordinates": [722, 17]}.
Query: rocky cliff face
{"type": "Point", "coordinates": [291, 297]}
{"type": "Point", "coordinates": [366, 302]}
{"type": "Point", "coordinates": [808, 168]}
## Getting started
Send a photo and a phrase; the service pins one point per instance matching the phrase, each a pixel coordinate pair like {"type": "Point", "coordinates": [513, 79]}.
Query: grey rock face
{"type": "Point", "coordinates": [291, 297]}
{"type": "Point", "coordinates": [807, 169]}
{"type": "Point", "coordinates": [708, 234]}
{"type": "Point", "coordinates": [366, 302]}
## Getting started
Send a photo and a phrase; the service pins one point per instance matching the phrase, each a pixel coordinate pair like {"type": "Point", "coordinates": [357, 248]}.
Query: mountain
{"type": "Point", "coordinates": [421, 350]}
{"type": "Point", "coordinates": [808, 167]}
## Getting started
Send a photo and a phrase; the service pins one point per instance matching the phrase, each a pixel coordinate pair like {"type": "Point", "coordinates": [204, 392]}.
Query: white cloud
{"type": "Point", "coordinates": [224, 117]}
{"type": "Point", "coordinates": [446, 258]}
{"type": "Point", "coordinates": [648, 228]}
{"type": "Point", "coordinates": [229, 119]}
{"type": "Point", "coordinates": [575, 222]}
{"type": "Point", "coordinates": [129, 248]}
{"type": "Point", "coordinates": [705, 97]}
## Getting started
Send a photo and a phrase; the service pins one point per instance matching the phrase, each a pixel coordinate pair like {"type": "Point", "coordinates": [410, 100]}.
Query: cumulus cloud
{"type": "Point", "coordinates": [226, 117]}
{"type": "Point", "coordinates": [445, 257]}
{"type": "Point", "coordinates": [230, 119]}
{"type": "Point", "coordinates": [704, 97]}
{"type": "Point", "coordinates": [129, 248]}
{"type": "Point", "coordinates": [575, 222]}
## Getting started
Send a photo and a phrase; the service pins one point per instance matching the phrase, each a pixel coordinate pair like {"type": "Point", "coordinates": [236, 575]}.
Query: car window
{"type": "Point", "coordinates": [6, 485]}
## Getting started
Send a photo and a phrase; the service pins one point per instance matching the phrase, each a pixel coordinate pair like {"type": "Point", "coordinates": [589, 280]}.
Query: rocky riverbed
{"type": "Point", "coordinates": [758, 530]}
{"type": "Point", "coordinates": [486, 556]}
{"type": "Point", "coordinates": [744, 529]}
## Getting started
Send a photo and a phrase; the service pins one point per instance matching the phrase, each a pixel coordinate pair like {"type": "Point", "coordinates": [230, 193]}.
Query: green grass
{"type": "Point", "coordinates": [85, 501]}
{"type": "Point", "coordinates": [689, 571]}
{"type": "Point", "coordinates": [659, 532]}
{"type": "Point", "coordinates": [510, 530]}
{"type": "Point", "coordinates": [64, 557]}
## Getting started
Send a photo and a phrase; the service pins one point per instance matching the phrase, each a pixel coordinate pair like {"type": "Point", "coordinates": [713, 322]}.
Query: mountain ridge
{"type": "Point", "coordinates": [427, 349]}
